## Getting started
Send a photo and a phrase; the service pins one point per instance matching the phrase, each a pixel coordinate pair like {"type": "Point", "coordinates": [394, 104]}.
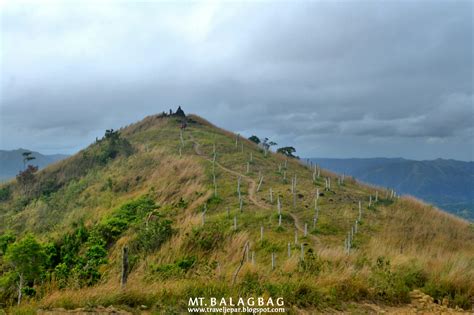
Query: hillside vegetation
{"type": "Point", "coordinates": [172, 200]}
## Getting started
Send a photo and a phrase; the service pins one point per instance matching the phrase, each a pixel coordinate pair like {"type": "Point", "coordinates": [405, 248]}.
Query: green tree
{"type": "Point", "coordinates": [26, 158]}
{"type": "Point", "coordinates": [6, 239]}
{"type": "Point", "coordinates": [267, 144]}
{"type": "Point", "coordinates": [27, 179]}
{"type": "Point", "coordinates": [255, 139]}
{"type": "Point", "coordinates": [287, 151]}
{"type": "Point", "coordinates": [28, 259]}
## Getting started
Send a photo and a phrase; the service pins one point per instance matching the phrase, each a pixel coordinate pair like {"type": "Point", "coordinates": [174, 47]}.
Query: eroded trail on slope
{"type": "Point", "coordinates": [252, 192]}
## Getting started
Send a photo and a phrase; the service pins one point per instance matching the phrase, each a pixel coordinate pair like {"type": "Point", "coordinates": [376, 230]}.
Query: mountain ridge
{"type": "Point", "coordinates": [11, 161]}
{"type": "Point", "coordinates": [447, 183]}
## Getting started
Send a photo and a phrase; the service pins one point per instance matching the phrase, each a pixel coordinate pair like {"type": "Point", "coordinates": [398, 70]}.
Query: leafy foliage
{"type": "Point", "coordinates": [26, 179]}
{"type": "Point", "coordinates": [287, 151]}
{"type": "Point", "coordinates": [255, 139]}
{"type": "Point", "coordinates": [82, 252]}
{"type": "Point", "coordinates": [6, 239]}
{"type": "Point", "coordinates": [388, 285]}
{"type": "Point", "coordinates": [176, 269]}
{"type": "Point", "coordinates": [120, 220]}
{"type": "Point", "coordinates": [150, 237]}
{"type": "Point", "coordinates": [5, 193]}
{"type": "Point", "coordinates": [27, 257]}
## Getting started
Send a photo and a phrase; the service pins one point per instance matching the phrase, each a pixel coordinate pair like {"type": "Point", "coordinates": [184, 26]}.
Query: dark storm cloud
{"type": "Point", "coordinates": [359, 78]}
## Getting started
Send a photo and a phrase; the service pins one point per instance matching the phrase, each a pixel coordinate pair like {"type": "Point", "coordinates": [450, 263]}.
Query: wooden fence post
{"type": "Point", "coordinates": [125, 265]}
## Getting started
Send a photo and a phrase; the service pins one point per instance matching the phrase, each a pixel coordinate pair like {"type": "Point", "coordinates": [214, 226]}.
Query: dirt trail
{"type": "Point", "coordinates": [252, 192]}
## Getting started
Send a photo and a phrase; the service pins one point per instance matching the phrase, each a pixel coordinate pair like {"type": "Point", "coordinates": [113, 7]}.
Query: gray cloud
{"type": "Point", "coordinates": [359, 78]}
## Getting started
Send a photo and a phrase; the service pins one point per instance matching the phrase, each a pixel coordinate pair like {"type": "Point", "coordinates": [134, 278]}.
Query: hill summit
{"type": "Point", "coordinates": [173, 208]}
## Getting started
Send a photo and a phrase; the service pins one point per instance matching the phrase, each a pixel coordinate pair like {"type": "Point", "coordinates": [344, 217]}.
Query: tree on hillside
{"type": "Point", "coordinates": [26, 158]}
{"type": "Point", "coordinates": [255, 139]}
{"type": "Point", "coordinates": [112, 145]}
{"type": "Point", "coordinates": [26, 179]}
{"type": "Point", "coordinates": [28, 259]}
{"type": "Point", "coordinates": [111, 134]}
{"type": "Point", "coordinates": [267, 144]}
{"type": "Point", "coordinates": [287, 151]}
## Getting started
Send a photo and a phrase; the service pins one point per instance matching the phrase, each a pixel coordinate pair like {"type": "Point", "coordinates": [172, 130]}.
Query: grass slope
{"type": "Point", "coordinates": [401, 244]}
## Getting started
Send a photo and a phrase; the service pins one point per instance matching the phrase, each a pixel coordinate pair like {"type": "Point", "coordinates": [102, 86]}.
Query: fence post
{"type": "Point", "coordinates": [125, 265]}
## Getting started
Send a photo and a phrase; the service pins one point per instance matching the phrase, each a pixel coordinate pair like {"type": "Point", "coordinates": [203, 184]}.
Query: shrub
{"type": "Point", "coordinates": [6, 239]}
{"type": "Point", "coordinates": [150, 237]}
{"type": "Point", "coordinates": [442, 289]}
{"type": "Point", "coordinates": [176, 269]}
{"type": "Point", "coordinates": [413, 276]}
{"type": "Point", "coordinates": [5, 193]}
{"type": "Point", "coordinates": [111, 228]}
{"type": "Point", "coordinates": [121, 218]}
{"type": "Point", "coordinates": [61, 272]}
{"type": "Point", "coordinates": [71, 244]}
{"type": "Point", "coordinates": [214, 201]}
{"type": "Point", "coordinates": [311, 263]}
{"type": "Point", "coordinates": [388, 286]}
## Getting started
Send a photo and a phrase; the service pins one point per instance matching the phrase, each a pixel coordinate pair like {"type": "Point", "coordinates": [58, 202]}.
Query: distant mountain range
{"type": "Point", "coordinates": [11, 161]}
{"type": "Point", "coordinates": [448, 184]}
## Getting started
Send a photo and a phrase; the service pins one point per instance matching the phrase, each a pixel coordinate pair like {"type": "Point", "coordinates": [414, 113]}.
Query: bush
{"type": "Point", "coordinates": [213, 201]}
{"type": "Point", "coordinates": [413, 276]}
{"type": "Point", "coordinates": [150, 237]}
{"type": "Point", "coordinates": [441, 289]}
{"type": "Point", "coordinates": [6, 239]}
{"type": "Point", "coordinates": [311, 263]}
{"type": "Point", "coordinates": [121, 218]}
{"type": "Point", "coordinates": [70, 245]}
{"type": "Point", "coordinates": [5, 193]}
{"type": "Point", "coordinates": [82, 252]}
{"type": "Point", "coordinates": [176, 269]}
{"type": "Point", "coordinates": [83, 268]}
{"type": "Point", "coordinates": [61, 272]}
{"type": "Point", "coordinates": [111, 228]}
{"type": "Point", "coordinates": [388, 286]}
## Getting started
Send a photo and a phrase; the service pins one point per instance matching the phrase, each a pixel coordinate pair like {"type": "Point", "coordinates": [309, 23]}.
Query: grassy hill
{"type": "Point", "coordinates": [445, 183]}
{"type": "Point", "coordinates": [172, 201]}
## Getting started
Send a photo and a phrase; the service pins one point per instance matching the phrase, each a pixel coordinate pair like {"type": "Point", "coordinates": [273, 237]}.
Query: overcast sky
{"type": "Point", "coordinates": [332, 78]}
